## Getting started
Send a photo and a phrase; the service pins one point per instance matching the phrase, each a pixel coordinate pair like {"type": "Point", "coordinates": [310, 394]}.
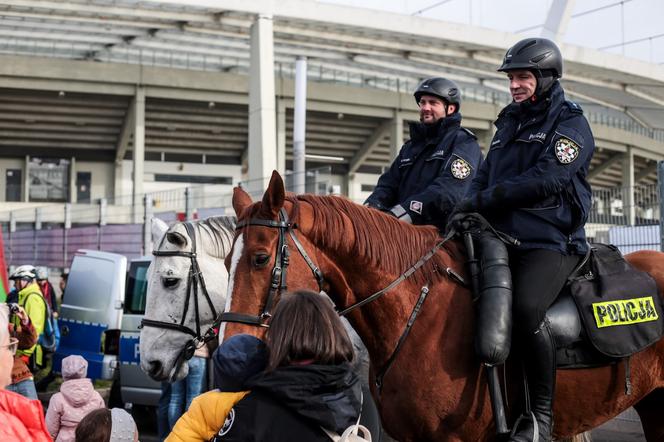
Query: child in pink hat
{"type": "Point", "coordinates": [77, 397]}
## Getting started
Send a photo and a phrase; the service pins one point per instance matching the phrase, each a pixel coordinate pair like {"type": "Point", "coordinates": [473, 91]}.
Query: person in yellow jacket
{"type": "Point", "coordinates": [32, 301]}
{"type": "Point", "coordinates": [239, 358]}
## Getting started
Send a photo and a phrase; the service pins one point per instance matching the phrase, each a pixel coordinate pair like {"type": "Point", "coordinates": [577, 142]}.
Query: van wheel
{"type": "Point", "coordinates": [115, 397]}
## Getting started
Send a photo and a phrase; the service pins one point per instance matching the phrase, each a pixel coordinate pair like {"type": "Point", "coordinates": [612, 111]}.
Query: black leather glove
{"type": "Point", "coordinates": [467, 205]}
{"type": "Point", "coordinates": [456, 218]}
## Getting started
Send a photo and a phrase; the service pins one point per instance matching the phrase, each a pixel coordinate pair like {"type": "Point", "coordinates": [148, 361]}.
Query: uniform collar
{"type": "Point", "coordinates": [538, 109]}
{"type": "Point", "coordinates": [430, 132]}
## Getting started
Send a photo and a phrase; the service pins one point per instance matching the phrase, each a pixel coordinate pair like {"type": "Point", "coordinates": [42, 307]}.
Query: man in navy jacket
{"type": "Point", "coordinates": [533, 186]}
{"type": "Point", "coordinates": [435, 167]}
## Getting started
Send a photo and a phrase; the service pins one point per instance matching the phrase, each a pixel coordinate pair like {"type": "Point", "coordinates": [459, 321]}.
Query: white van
{"type": "Point", "coordinates": [97, 323]}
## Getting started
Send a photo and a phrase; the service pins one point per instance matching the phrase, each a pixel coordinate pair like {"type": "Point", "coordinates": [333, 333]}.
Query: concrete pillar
{"type": "Point", "coordinates": [188, 205]}
{"type": "Point", "coordinates": [73, 191]}
{"type": "Point", "coordinates": [396, 135]}
{"type": "Point", "coordinates": [628, 186]}
{"type": "Point", "coordinates": [117, 183]}
{"type": "Point", "coordinates": [262, 108]}
{"type": "Point", "coordinates": [350, 186]}
{"type": "Point", "coordinates": [147, 224]}
{"type": "Point", "coordinates": [65, 235]}
{"type": "Point", "coordinates": [299, 125]}
{"type": "Point", "coordinates": [281, 136]}
{"type": "Point", "coordinates": [139, 154]}
{"type": "Point", "coordinates": [35, 235]}
{"type": "Point", "coordinates": [26, 180]}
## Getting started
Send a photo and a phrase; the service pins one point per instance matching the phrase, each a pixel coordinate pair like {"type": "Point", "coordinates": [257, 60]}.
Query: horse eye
{"type": "Point", "coordinates": [260, 260]}
{"type": "Point", "coordinates": [170, 282]}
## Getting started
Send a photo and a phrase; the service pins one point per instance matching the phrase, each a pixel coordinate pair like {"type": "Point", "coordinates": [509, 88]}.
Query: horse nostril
{"type": "Point", "coordinates": [155, 367]}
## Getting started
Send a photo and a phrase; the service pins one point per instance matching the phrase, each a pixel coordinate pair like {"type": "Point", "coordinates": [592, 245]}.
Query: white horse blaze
{"type": "Point", "coordinates": [238, 248]}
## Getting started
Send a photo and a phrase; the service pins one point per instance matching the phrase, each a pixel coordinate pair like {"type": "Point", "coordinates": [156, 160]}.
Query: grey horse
{"type": "Point", "coordinates": [168, 282]}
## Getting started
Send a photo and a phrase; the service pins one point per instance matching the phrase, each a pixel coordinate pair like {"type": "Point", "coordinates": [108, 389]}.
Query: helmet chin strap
{"type": "Point", "coordinates": [544, 82]}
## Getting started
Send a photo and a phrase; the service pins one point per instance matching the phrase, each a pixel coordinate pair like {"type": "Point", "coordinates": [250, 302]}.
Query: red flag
{"type": "Point", "coordinates": [4, 283]}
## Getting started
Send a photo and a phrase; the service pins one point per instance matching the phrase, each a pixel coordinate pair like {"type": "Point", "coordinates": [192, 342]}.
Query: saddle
{"type": "Point", "coordinates": [607, 311]}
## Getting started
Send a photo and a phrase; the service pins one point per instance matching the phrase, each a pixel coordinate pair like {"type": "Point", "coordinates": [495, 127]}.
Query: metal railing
{"type": "Point", "coordinates": [50, 235]}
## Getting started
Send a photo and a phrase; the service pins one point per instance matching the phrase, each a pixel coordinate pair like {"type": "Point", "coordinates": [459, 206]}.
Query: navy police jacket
{"type": "Point", "coordinates": [432, 173]}
{"type": "Point", "coordinates": [533, 183]}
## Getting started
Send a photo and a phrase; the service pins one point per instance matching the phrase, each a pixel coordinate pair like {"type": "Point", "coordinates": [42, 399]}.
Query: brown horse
{"type": "Point", "coordinates": [435, 390]}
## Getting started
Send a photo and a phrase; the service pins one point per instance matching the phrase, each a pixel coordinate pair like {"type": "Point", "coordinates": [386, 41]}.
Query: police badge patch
{"type": "Point", "coordinates": [416, 206]}
{"type": "Point", "coordinates": [566, 150]}
{"type": "Point", "coordinates": [460, 169]}
{"type": "Point", "coordinates": [228, 423]}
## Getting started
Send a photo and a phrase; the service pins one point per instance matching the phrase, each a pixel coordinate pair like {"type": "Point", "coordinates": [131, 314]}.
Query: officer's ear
{"type": "Point", "coordinates": [451, 108]}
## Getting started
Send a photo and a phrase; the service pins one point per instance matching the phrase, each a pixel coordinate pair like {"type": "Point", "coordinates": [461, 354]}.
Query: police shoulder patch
{"type": "Point", "coordinates": [460, 169]}
{"type": "Point", "coordinates": [566, 150]}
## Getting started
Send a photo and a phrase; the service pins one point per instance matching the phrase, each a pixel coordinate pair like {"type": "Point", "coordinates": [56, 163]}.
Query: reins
{"type": "Point", "coordinates": [278, 283]}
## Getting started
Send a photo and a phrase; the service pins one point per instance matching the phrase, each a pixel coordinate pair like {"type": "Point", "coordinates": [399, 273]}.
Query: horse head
{"type": "Point", "coordinates": [181, 306]}
{"type": "Point", "coordinates": [268, 257]}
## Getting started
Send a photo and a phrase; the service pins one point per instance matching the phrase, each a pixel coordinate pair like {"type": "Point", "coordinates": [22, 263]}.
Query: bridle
{"type": "Point", "coordinates": [194, 280]}
{"type": "Point", "coordinates": [278, 283]}
{"type": "Point", "coordinates": [279, 271]}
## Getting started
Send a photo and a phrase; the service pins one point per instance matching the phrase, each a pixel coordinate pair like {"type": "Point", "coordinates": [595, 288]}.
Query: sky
{"type": "Point", "coordinates": [614, 23]}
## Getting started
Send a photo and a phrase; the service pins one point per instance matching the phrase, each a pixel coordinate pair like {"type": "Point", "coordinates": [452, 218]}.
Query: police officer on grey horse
{"type": "Point", "coordinates": [533, 186]}
{"type": "Point", "coordinates": [435, 167]}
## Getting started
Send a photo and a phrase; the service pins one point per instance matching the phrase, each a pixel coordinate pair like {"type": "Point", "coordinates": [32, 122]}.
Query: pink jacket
{"type": "Point", "coordinates": [76, 399]}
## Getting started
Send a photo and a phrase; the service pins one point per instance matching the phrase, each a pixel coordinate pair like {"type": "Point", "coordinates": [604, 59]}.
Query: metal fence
{"type": "Point", "coordinates": [50, 235]}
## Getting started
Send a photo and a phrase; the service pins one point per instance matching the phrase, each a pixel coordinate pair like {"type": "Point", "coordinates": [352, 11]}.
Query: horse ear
{"type": "Point", "coordinates": [241, 200]}
{"type": "Point", "coordinates": [177, 239]}
{"type": "Point", "coordinates": [274, 196]}
{"type": "Point", "coordinates": [159, 229]}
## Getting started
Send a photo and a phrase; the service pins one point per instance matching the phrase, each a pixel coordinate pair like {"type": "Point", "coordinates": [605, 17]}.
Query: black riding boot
{"type": "Point", "coordinates": [540, 361]}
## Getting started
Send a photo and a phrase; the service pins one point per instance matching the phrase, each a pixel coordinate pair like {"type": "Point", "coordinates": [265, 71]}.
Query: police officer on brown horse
{"type": "Point", "coordinates": [435, 167]}
{"type": "Point", "coordinates": [533, 187]}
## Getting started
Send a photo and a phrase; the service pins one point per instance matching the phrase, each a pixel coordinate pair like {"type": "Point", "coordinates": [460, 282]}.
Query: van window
{"type": "Point", "coordinates": [90, 283]}
{"type": "Point", "coordinates": [137, 287]}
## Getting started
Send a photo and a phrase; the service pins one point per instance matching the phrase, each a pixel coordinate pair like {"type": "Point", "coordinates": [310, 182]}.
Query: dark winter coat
{"type": "Point", "coordinates": [533, 183]}
{"type": "Point", "coordinates": [293, 403]}
{"type": "Point", "coordinates": [432, 173]}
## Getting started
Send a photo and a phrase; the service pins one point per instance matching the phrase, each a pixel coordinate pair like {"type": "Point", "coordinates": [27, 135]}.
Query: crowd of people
{"type": "Point", "coordinates": [298, 384]}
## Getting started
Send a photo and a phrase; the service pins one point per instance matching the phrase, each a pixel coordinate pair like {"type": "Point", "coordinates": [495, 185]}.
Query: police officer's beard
{"type": "Point", "coordinates": [432, 129]}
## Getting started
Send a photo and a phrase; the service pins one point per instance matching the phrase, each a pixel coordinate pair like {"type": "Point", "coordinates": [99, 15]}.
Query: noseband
{"type": "Point", "coordinates": [194, 280]}
{"type": "Point", "coordinates": [278, 276]}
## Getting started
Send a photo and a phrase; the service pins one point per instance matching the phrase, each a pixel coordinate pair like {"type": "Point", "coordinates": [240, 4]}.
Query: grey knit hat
{"type": "Point", "coordinates": [123, 426]}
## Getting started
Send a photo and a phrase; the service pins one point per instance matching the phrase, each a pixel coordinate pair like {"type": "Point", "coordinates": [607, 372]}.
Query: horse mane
{"type": "Point", "coordinates": [221, 230]}
{"type": "Point", "coordinates": [216, 234]}
{"type": "Point", "coordinates": [379, 238]}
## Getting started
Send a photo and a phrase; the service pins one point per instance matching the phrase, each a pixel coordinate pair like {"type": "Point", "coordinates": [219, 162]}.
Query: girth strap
{"type": "Point", "coordinates": [411, 320]}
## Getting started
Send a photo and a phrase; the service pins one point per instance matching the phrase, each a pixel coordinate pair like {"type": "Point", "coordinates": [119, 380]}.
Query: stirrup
{"type": "Point", "coordinates": [527, 416]}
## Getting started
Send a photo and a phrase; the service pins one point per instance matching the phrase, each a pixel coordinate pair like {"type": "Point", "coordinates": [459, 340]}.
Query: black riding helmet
{"type": "Point", "coordinates": [441, 88]}
{"type": "Point", "coordinates": [538, 55]}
